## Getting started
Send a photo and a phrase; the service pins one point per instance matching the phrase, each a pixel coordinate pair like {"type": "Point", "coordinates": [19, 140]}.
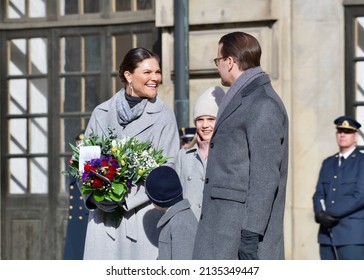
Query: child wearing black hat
{"type": "Point", "coordinates": [179, 224]}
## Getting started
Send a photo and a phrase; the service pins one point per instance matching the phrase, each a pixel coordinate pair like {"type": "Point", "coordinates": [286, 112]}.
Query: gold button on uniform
{"type": "Point", "coordinates": [334, 189]}
{"type": "Point", "coordinates": [69, 217]}
{"type": "Point", "coordinates": [332, 201]}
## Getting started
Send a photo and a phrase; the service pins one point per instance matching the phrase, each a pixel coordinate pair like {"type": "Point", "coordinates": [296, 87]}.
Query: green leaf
{"type": "Point", "coordinates": [99, 197]}
{"type": "Point", "coordinates": [118, 188]}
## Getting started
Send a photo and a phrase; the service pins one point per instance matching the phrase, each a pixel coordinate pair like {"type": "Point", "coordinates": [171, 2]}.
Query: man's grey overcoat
{"type": "Point", "coordinates": [136, 237]}
{"type": "Point", "coordinates": [246, 175]}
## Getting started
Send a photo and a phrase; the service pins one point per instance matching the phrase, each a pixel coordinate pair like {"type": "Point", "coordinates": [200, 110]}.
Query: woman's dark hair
{"type": "Point", "coordinates": [131, 60]}
{"type": "Point", "coordinates": [243, 47]}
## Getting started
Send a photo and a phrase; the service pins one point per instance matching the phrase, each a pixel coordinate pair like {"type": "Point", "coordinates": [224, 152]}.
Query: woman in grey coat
{"type": "Point", "coordinates": [191, 161]}
{"type": "Point", "coordinates": [134, 111]}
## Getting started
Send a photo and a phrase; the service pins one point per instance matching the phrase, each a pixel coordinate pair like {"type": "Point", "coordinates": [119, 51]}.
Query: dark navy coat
{"type": "Point", "coordinates": [342, 189]}
{"type": "Point", "coordinates": [77, 224]}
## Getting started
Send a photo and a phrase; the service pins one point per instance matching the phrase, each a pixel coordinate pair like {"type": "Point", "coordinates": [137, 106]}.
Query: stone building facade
{"type": "Point", "coordinates": [312, 50]}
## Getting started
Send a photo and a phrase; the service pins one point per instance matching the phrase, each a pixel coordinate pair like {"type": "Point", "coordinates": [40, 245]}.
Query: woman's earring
{"type": "Point", "coordinates": [131, 88]}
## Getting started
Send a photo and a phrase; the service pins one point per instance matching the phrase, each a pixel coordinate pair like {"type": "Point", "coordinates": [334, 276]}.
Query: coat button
{"type": "Point", "coordinates": [334, 189]}
{"type": "Point", "coordinates": [335, 177]}
{"type": "Point", "coordinates": [332, 201]}
{"type": "Point", "coordinates": [211, 145]}
{"type": "Point", "coordinates": [206, 180]}
{"type": "Point", "coordinates": [69, 217]}
{"type": "Point", "coordinates": [189, 178]}
{"type": "Point", "coordinates": [80, 218]}
{"type": "Point", "coordinates": [71, 196]}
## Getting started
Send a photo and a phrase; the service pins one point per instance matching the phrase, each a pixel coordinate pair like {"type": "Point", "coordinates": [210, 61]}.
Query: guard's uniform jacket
{"type": "Point", "coordinates": [77, 224]}
{"type": "Point", "coordinates": [342, 189]}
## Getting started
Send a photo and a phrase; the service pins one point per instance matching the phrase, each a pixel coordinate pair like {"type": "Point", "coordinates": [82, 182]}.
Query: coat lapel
{"type": "Point", "coordinates": [147, 119]}
{"type": "Point", "coordinates": [237, 99]}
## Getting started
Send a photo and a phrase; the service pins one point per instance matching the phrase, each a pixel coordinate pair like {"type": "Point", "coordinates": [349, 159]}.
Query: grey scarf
{"type": "Point", "coordinates": [125, 113]}
{"type": "Point", "coordinates": [245, 79]}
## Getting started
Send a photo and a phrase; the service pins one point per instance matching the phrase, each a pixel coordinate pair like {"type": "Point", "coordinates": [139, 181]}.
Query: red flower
{"type": "Point", "coordinates": [97, 183]}
{"type": "Point", "coordinates": [88, 167]}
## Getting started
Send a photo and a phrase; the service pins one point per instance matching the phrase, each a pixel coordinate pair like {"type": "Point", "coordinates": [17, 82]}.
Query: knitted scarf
{"type": "Point", "coordinates": [244, 79]}
{"type": "Point", "coordinates": [125, 113]}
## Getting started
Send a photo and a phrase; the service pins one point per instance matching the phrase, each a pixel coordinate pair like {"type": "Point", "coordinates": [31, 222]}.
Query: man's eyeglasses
{"type": "Point", "coordinates": [216, 60]}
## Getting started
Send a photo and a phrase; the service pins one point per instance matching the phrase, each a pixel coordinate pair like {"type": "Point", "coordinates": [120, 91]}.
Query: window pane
{"type": "Point", "coordinates": [360, 118]}
{"type": "Point", "coordinates": [18, 136]}
{"type": "Point", "coordinates": [38, 55]}
{"type": "Point", "coordinates": [144, 4]}
{"type": "Point", "coordinates": [359, 50]}
{"type": "Point", "coordinates": [145, 40]}
{"type": "Point", "coordinates": [71, 94]}
{"type": "Point", "coordinates": [122, 5]}
{"type": "Point", "coordinates": [116, 84]}
{"type": "Point", "coordinates": [69, 7]}
{"type": "Point", "coordinates": [18, 97]}
{"type": "Point", "coordinates": [39, 175]}
{"type": "Point", "coordinates": [16, 9]}
{"type": "Point", "coordinates": [72, 128]}
{"type": "Point", "coordinates": [17, 57]}
{"type": "Point", "coordinates": [92, 53]}
{"type": "Point", "coordinates": [70, 54]}
{"type": "Point", "coordinates": [38, 96]}
{"type": "Point", "coordinates": [38, 135]}
{"type": "Point", "coordinates": [64, 180]}
{"type": "Point", "coordinates": [37, 8]}
{"type": "Point", "coordinates": [91, 6]}
{"type": "Point", "coordinates": [359, 73]}
{"type": "Point", "coordinates": [92, 89]}
{"type": "Point", "coordinates": [18, 174]}
{"type": "Point", "coordinates": [122, 44]}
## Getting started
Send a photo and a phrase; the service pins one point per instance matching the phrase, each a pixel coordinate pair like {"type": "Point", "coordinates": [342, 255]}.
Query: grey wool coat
{"type": "Point", "coordinates": [136, 236]}
{"type": "Point", "coordinates": [190, 168]}
{"type": "Point", "coordinates": [246, 175]}
{"type": "Point", "coordinates": [178, 230]}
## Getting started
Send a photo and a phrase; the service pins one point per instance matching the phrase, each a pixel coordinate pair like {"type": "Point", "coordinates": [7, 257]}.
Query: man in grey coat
{"type": "Point", "coordinates": [245, 185]}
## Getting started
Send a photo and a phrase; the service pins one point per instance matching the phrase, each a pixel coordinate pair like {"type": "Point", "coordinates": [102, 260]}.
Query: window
{"type": "Point", "coordinates": [27, 114]}
{"type": "Point", "coordinates": [23, 9]}
{"type": "Point", "coordinates": [54, 79]}
{"type": "Point", "coordinates": [354, 65]}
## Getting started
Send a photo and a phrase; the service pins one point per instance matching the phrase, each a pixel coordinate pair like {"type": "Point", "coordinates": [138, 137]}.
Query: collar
{"type": "Point", "coordinates": [347, 154]}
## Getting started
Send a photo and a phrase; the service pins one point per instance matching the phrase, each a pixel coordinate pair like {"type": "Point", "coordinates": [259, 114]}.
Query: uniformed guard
{"type": "Point", "coordinates": [339, 197]}
{"type": "Point", "coordinates": [77, 220]}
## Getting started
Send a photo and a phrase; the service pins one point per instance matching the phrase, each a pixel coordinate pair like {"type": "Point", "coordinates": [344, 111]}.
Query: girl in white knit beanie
{"type": "Point", "coordinates": [191, 161]}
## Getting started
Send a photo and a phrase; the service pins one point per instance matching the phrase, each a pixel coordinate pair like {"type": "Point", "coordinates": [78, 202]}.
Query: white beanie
{"type": "Point", "coordinates": [208, 102]}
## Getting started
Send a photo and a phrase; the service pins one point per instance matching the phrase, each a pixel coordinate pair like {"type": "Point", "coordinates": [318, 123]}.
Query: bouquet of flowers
{"type": "Point", "coordinates": [119, 165]}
